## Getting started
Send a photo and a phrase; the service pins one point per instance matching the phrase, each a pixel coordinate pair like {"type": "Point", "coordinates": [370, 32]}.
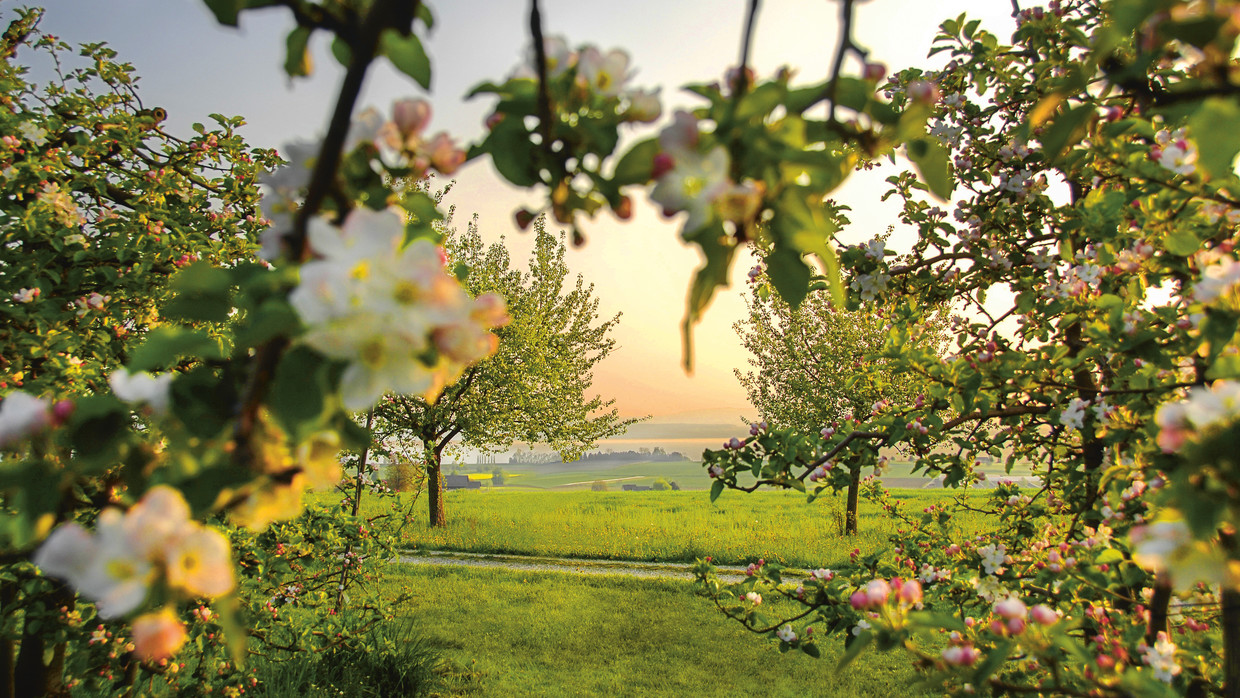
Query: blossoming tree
{"type": "Point", "coordinates": [1115, 384]}
{"type": "Point", "coordinates": [1089, 256]}
{"type": "Point", "coordinates": [813, 369]}
{"type": "Point", "coordinates": [534, 388]}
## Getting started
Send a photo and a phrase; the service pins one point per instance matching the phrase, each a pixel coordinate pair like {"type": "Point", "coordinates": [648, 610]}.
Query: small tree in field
{"type": "Point", "coordinates": [817, 367]}
{"type": "Point", "coordinates": [535, 388]}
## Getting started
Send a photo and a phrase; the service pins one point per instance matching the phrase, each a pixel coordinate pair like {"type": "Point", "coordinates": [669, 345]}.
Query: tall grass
{"type": "Point", "coordinates": [393, 661]}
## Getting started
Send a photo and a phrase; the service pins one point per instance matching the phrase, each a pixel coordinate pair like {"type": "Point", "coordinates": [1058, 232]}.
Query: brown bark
{"type": "Point", "coordinates": [1231, 643]}
{"type": "Point", "coordinates": [8, 594]}
{"type": "Point", "coordinates": [854, 490]}
{"type": "Point", "coordinates": [1158, 611]}
{"type": "Point", "coordinates": [31, 677]}
{"type": "Point", "coordinates": [434, 491]}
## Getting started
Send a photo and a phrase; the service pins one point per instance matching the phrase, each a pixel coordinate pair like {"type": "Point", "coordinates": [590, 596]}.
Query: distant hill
{"type": "Point", "coordinates": [680, 430]}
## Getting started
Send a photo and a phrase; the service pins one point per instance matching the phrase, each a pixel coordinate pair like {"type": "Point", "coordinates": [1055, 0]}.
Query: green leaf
{"type": "Point", "coordinates": [297, 61]}
{"type": "Point", "coordinates": [228, 612]}
{"type": "Point", "coordinates": [1066, 131]}
{"type": "Point", "coordinates": [225, 11]}
{"type": "Point", "coordinates": [853, 93]}
{"type": "Point", "coordinates": [811, 649]}
{"type": "Point", "coordinates": [636, 164]}
{"type": "Point", "coordinates": [203, 402]}
{"type": "Point", "coordinates": [407, 54]}
{"type": "Point", "coordinates": [711, 275]}
{"type": "Point", "coordinates": [1215, 127]}
{"type": "Point", "coordinates": [760, 101]}
{"type": "Point", "coordinates": [97, 424]}
{"type": "Point", "coordinates": [165, 345]}
{"type": "Point", "coordinates": [930, 619]}
{"type": "Point", "coordinates": [424, 14]}
{"type": "Point", "coordinates": [933, 164]}
{"type": "Point", "coordinates": [273, 318]}
{"type": "Point", "coordinates": [855, 648]}
{"type": "Point", "coordinates": [1108, 556]}
{"type": "Point", "coordinates": [512, 153]}
{"type": "Point", "coordinates": [299, 390]}
{"type": "Point", "coordinates": [789, 275]}
{"type": "Point", "coordinates": [1225, 367]}
{"type": "Point", "coordinates": [716, 489]}
{"type": "Point", "coordinates": [342, 52]}
{"type": "Point", "coordinates": [994, 659]}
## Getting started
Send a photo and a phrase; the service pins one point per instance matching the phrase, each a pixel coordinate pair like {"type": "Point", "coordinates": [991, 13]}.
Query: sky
{"type": "Point", "coordinates": [193, 67]}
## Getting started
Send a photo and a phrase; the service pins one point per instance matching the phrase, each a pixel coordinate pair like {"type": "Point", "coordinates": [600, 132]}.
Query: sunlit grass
{"type": "Point", "coordinates": [558, 634]}
{"type": "Point", "coordinates": [663, 526]}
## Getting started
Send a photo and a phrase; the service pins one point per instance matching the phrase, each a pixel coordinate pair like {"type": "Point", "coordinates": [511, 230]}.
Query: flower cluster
{"type": "Point", "coordinates": [391, 311]}
{"type": "Point", "coordinates": [116, 564]}
{"type": "Point", "coordinates": [1202, 409]}
{"type": "Point", "coordinates": [1174, 151]}
{"type": "Point", "coordinates": [692, 177]}
{"type": "Point", "coordinates": [594, 72]}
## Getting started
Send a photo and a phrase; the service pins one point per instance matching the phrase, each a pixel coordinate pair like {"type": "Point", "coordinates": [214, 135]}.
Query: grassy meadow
{"type": "Point", "coordinates": [658, 526]}
{"type": "Point", "coordinates": [689, 475]}
{"type": "Point", "coordinates": [555, 634]}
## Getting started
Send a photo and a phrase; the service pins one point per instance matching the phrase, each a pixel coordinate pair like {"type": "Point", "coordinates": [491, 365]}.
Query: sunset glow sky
{"type": "Point", "coordinates": [193, 67]}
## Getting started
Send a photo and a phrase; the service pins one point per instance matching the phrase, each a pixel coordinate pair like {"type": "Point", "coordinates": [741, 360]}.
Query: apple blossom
{"type": "Point", "coordinates": [143, 388]}
{"type": "Point", "coordinates": [786, 634]}
{"type": "Point", "coordinates": [1175, 152]}
{"type": "Point", "coordinates": [158, 635]}
{"type": "Point", "coordinates": [21, 415]}
{"type": "Point", "coordinates": [1161, 658]}
{"type": "Point", "coordinates": [603, 73]}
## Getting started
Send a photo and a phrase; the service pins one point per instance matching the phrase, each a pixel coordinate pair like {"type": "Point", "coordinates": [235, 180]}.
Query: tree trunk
{"type": "Point", "coordinates": [854, 489]}
{"type": "Point", "coordinates": [1158, 611]}
{"type": "Point", "coordinates": [1231, 643]}
{"type": "Point", "coordinates": [8, 594]}
{"type": "Point", "coordinates": [434, 490]}
{"type": "Point", "coordinates": [31, 679]}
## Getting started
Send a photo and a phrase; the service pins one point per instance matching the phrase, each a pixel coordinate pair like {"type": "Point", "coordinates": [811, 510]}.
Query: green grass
{"type": "Point", "coordinates": [660, 526]}
{"type": "Point", "coordinates": [689, 475]}
{"type": "Point", "coordinates": [579, 476]}
{"type": "Point", "coordinates": [555, 634]}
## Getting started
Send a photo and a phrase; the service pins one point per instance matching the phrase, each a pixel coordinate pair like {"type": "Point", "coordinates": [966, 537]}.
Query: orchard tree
{"type": "Point", "coordinates": [1090, 253]}
{"type": "Point", "coordinates": [536, 386]}
{"type": "Point", "coordinates": [100, 208]}
{"type": "Point", "coordinates": [1124, 397]}
{"type": "Point", "coordinates": [817, 368]}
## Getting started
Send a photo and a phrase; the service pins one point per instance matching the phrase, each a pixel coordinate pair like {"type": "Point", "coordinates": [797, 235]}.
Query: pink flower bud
{"type": "Point", "coordinates": [1016, 626]}
{"type": "Point", "coordinates": [662, 164]}
{"type": "Point", "coordinates": [1010, 608]}
{"type": "Point", "coordinates": [924, 92]}
{"type": "Point", "coordinates": [411, 116]}
{"type": "Point", "coordinates": [445, 156]}
{"type": "Point", "coordinates": [910, 592]}
{"type": "Point", "coordinates": [61, 411]}
{"type": "Point", "coordinates": [877, 592]}
{"type": "Point", "coordinates": [874, 71]}
{"type": "Point", "coordinates": [859, 600]}
{"type": "Point", "coordinates": [963, 655]}
{"type": "Point", "coordinates": [1043, 615]}
{"type": "Point", "coordinates": [157, 635]}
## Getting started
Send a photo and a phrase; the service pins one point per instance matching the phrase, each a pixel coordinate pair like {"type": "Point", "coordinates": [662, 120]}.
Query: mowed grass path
{"type": "Point", "coordinates": [558, 634]}
{"type": "Point", "coordinates": [661, 526]}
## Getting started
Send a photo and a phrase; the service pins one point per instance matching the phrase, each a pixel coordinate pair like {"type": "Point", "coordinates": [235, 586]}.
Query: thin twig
{"type": "Point", "coordinates": [540, 65]}
{"type": "Point", "coordinates": [363, 52]}
{"type": "Point", "coordinates": [742, 80]}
